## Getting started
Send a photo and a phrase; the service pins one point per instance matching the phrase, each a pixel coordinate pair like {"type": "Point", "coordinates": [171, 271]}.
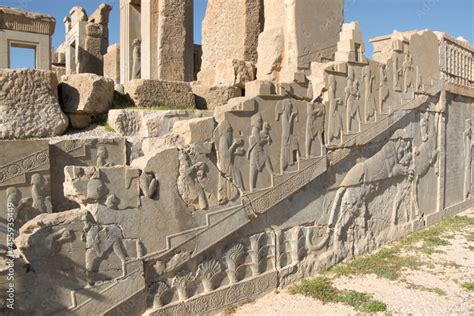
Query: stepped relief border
{"type": "Point", "coordinates": [30, 162]}
{"type": "Point", "coordinates": [277, 276]}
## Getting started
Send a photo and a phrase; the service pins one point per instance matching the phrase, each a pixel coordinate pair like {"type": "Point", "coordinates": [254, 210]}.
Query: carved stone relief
{"type": "Point", "coordinates": [258, 157]}
{"type": "Point", "coordinates": [289, 152]}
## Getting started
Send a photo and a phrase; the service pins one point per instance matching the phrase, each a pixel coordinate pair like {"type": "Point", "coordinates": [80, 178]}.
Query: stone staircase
{"type": "Point", "coordinates": [222, 223]}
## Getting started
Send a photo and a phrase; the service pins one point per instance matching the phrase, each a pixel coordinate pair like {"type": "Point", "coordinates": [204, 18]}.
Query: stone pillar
{"type": "Point", "coordinates": [289, 44]}
{"type": "Point", "coordinates": [112, 63]}
{"type": "Point", "coordinates": [167, 40]}
{"type": "Point", "coordinates": [230, 31]}
{"type": "Point", "coordinates": [130, 29]}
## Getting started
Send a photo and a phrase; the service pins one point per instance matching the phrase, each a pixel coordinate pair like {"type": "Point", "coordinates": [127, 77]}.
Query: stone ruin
{"type": "Point", "coordinates": [310, 153]}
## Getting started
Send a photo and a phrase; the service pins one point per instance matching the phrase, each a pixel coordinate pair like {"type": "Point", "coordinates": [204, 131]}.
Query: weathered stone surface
{"type": "Point", "coordinates": [86, 94]}
{"type": "Point", "coordinates": [115, 187]}
{"type": "Point", "coordinates": [170, 52]}
{"type": "Point", "coordinates": [234, 73]}
{"type": "Point", "coordinates": [195, 131]}
{"type": "Point", "coordinates": [28, 99]}
{"type": "Point", "coordinates": [112, 63]}
{"type": "Point", "coordinates": [230, 31]}
{"type": "Point", "coordinates": [309, 34]}
{"type": "Point", "coordinates": [148, 93]}
{"type": "Point", "coordinates": [149, 123]}
{"type": "Point", "coordinates": [259, 87]}
{"type": "Point", "coordinates": [212, 97]}
{"type": "Point", "coordinates": [81, 152]}
{"type": "Point", "coordinates": [351, 44]}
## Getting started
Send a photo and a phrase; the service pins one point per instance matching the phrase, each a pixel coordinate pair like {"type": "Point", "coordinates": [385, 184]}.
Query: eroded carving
{"type": "Point", "coordinates": [206, 271]}
{"type": "Point", "coordinates": [383, 88]}
{"type": "Point", "coordinates": [467, 158]}
{"type": "Point", "coordinates": [148, 184]}
{"type": "Point", "coordinates": [136, 59]}
{"type": "Point", "coordinates": [100, 242]}
{"type": "Point", "coordinates": [352, 95]}
{"type": "Point", "coordinates": [259, 159]}
{"type": "Point", "coordinates": [369, 100]}
{"type": "Point", "coordinates": [289, 151]}
{"type": "Point", "coordinates": [192, 174]}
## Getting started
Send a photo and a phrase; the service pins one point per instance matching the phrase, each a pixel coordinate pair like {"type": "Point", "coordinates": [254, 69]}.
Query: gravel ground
{"type": "Point", "coordinates": [433, 289]}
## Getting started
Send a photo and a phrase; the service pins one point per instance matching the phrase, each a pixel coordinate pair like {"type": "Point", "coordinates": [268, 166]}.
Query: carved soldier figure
{"type": "Point", "coordinates": [100, 242]}
{"type": "Point", "coordinates": [227, 148]}
{"type": "Point", "coordinates": [383, 88]}
{"type": "Point", "coordinates": [408, 73]}
{"type": "Point", "coordinates": [20, 208]}
{"type": "Point", "coordinates": [335, 124]}
{"type": "Point", "coordinates": [289, 145]}
{"type": "Point", "coordinates": [136, 59]}
{"type": "Point", "coordinates": [369, 102]}
{"type": "Point", "coordinates": [467, 159]}
{"type": "Point", "coordinates": [259, 159]}
{"type": "Point", "coordinates": [189, 185]}
{"type": "Point", "coordinates": [352, 107]}
{"type": "Point", "coordinates": [37, 184]}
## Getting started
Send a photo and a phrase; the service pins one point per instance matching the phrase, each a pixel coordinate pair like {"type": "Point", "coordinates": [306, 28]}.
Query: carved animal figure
{"type": "Point", "coordinates": [349, 213]}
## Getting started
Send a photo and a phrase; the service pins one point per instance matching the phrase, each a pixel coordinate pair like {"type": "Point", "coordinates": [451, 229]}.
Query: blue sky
{"type": "Point", "coordinates": [376, 17]}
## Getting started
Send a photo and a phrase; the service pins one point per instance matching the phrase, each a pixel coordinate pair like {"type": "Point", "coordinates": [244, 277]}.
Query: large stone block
{"type": "Point", "coordinates": [81, 152]}
{"type": "Point", "coordinates": [29, 99]}
{"type": "Point", "coordinates": [149, 123]}
{"type": "Point", "coordinates": [310, 33]}
{"type": "Point", "coordinates": [112, 63]}
{"type": "Point", "coordinates": [230, 31]}
{"type": "Point", "coordinates": [148, 93]}
{"type": "Point", "coordinates": [86, 93]}
{"type": "Point", "coordinates": [196, 130]}
{"type": "Point", "coordinates": [212, 97]}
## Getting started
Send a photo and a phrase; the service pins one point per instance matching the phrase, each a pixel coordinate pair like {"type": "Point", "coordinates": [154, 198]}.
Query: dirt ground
{"type": "Point", "coordinates": [435, 288]}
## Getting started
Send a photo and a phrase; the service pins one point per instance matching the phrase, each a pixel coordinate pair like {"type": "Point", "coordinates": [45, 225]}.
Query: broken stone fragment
{"type": "Point", "coordinates": [196, 130]}
{"type": "Point", "coordinates": [28, 99]}
{"type": "Point", "coordinates": [86, 93]}
{"type": "Point", "coordinates": [149, 123]}
{"type": "Point", "coordinates": [153, 93]}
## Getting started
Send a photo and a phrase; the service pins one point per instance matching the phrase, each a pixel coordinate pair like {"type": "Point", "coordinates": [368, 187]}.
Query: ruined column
{"type": "Point", "coordinates": [167, 40]}
{"type": "Point", "coordinates": [230, 32]}
{"type": "Point", "coordinates": [295, 34]}
{"type": "Point", "coordinates": [130, 30]}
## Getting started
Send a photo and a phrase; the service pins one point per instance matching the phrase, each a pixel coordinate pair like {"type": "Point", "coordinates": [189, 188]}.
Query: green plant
{"type": "Point", "coordinates": [469, 286]}
{"type": "Point", "coordinates": [322, 289]}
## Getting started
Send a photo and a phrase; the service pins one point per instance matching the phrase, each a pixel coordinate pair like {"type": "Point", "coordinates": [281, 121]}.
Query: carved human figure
{"type": "Point", "coordinates": [136, 59]}
{"type": "Point", "coordinates": [230, 181]}
{"type": "Point", "coordinates": [397, 71]}
{"type": "Point", "coordinates": [289, 145]}
{"type": "Point", "coordinates": [315, 118]}
{"type": "Point", "coordinates": [102, 155]}
{"type": "Point", "coordinates": [352, 96]}
{"type": "Point", "coordinates": [259, 159]}
{"type": "Point", "coordinates": [189, 186]}
{"type": "Point", "coordinates": [335, 124]}
{"type": "Point", "coordinates": [315, 112]}
{"type": "Point", "coordinates": [20, 208]}
{"type": "Point", "coordinates": [408, 72]}
{"type": "Point", "coordinates": [37, 187]}
{"type": "Point", "coordinates": [101, 241]}
{"type": "Point", "coordinates": [426, 154]}
{"type": "Point", "coordinates": [369, 101]}
{"type": "Point", "coordinates": [383, 88]}
{"type": "Point", "coordinates": [148, 184]}
{"type": "Point", "coordinates": [349, 214]}
{"type": "Point", "coordinates": [467, 158]}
